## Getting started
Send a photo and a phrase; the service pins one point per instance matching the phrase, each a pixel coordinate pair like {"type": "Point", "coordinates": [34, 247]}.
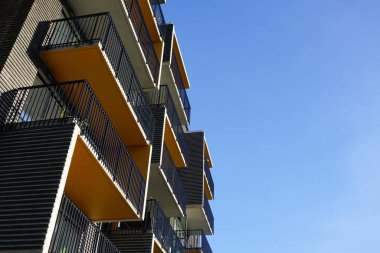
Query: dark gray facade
{"type": "Point", "coordinates": [31, 165]}
{"type": "Point", "coordinates": [19, 60]}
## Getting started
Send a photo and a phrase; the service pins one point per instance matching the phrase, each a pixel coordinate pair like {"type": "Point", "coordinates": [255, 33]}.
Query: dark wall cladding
{"type": "Point", "coordinates": [12, 16]}
{"type": "Point", "coordinates": [132, 243]}
{"type": "Point", "coordinates": [168, 42]}
{"type": "Point", "coordinates": [21, 37]}
{"type": "Point", "coordinates": [31, 164]}
{"type": "Point", "coordinates": [159, 117]}
{"type": "Point", "coordinates": [192, 175]}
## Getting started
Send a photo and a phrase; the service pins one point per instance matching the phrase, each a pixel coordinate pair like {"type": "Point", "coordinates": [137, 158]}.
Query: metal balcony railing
{"type": "Point", "coordinates": [75, 102]}
{"type": "Point", "coordinates": [180, 86]}
{"type": "Point", "coordinates": [162, 97]}
{"type": "Point", "coordinates": [143, 36]}
{"type": "Point", "coordinates": [99, 28]}
{"type": "Point", "coordinates": [194, 240]}
{"type": "Point", "coordinates": [161, 227]}
{"type": "Point", "coordinates": [159, 16]}
{"type": "Point", "coordinates": [173, 178]}
{"type": "Point", "coordinates": [74, 232]}
{"type": "Point", "coordinates": [155, 221]}
{"type": "Point", "coordinates": [209, 214]}
{"type": "Point", "coordinates": [210, 181]}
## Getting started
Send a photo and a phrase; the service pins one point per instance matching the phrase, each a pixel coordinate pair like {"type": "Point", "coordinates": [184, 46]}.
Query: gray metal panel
{"type": "Point", "coordinates": [192, 175]}
{"type": "Point", "coordinates": [22, 61]}
{"type": "Point", "coordinates": [133, 243]}
{"type": "Point", "coordinates": [159, 117]}
{"type": "Point", "coordinates": [12, 16]}
{"type": "Point", "coordinates": [31, 164]}
{"type": "Point", "coordinates": [168, 42]}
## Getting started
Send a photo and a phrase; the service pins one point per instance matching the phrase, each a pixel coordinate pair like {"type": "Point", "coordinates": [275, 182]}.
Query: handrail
{"type": "Point", "coordinates": [209, 178]}
{"type": "Point", "coordinates": [54, 104]}
{"type": "Point", "coordinates": [99, 28]}
{"type": "Point", "coordinates": [159, 16]}
{"type": "Point", "coordinates": [143, 36]}
{"type": "Point", "coordinates": [162, 97]}
{"type": "Point", "coordinates": [194, 239]}
{"type": "Point", "coordinates": [74, 232]}
{"type": "Point", "coordinates": [208, 211]}
{"type": "Point", "coordinates": [173, 178]}
{"type": "Point", "coordinates": [180, 85]}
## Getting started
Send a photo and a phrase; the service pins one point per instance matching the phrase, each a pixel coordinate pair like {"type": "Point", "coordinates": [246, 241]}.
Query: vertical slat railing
{"type": "Point", "coordinates": [161, 227]}
{"type": "Point", "coordinates": [74, 232]}
{"type": "Point", "coordinates": [194, 239]}
{"type": "Point", "coordinates": [180, 85]}
{"type": "Point", "coordinates": [159, 16]}
{"type": "Point", "coordinates": [143, 36]}
{"type": "Point", "coordinates": [162, 97]}
{"type": "Point", "coordinates": [208, 211]}
{"type": "Point", "coordinates": [173, 178]}
{"type": "Point", "coordinates": [75, 102]}
{"type": "Point", "coordinates": [209, 178]}
{"type": "Point", "coordinates": [99, 28]}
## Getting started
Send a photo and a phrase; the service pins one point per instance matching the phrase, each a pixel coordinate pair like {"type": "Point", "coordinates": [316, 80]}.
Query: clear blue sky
{"type": "Point", "coordinates": [288, 92]}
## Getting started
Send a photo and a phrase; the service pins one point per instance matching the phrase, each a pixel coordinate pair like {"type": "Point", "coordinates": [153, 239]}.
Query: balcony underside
{"type": "Point", "coordinates": [193, 251]}
{"type": "Point", "coordinates": [167, 78]}
{"type": "Point", "coordinates": [173, 145]}
{"type": "Point", "coordinates": [91, 188]}
{"type": "Point", "coordinates": [157, 247]}
{"type": "Point", "coordinates": [207, 188]}
{"type": "Point", "coordinates": [160, 190]}
{"type": "Point", "coordinates": [197, 219]}
{"type": "Point", "coordinates": [89, 62]}
{"type": "Point", "coordinates": [126, 31]}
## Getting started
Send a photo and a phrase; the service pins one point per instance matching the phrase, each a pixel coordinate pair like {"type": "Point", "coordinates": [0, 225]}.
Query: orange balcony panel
{"type": "Point", "coordinates": [182, 68]}
{"type": "Point", "coordinates": [157, 248]}
{"type": "Point", "coordinates": [193, 251]}
{"type": "Point", "coordinates": [92, 190]}
{"type": "Point", "coordinates": [173, 146]}
{"type": "Point", "coordinates": [207, 189]}
{"type": "Point", "coordinates": [150, 20]}
{"type": "Point", "coordinates": [90, 63]}
{"type": "Point", "coordinates": [207, 154]}
{"type": "Point", "coordinates": [141, 155]}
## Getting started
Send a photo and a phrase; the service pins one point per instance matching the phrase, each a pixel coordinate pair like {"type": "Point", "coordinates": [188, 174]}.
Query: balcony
{"type": "Point", "coordinates": [175, 76]}
{"type": "Point", "coordinates": [197, 184]}
{"type": "Point", "coordinates": [74, 232]}
{"type": "Point", "coordinates": [159, 16]}
{"type": "Point", "coordinates": [89, 47]}
{"type": "Point", "coordinates": [166, 185]}
{"type": "Point", "coordinates": [208, 212]}
{"type": "Point", "coordinates": [180, 85]}
{"type": "Point", "coordinates": [195, 241]}
{"type": "Point", "coordinates": [209, 182]}
{"type": "Point", "coordinates": [178, 145]}
{"type": "Point", "coordinates": [103, 178]}
{"type": "Point", "coordinates": [138, 31]}
{"type": "Point", "coordinates": [155, 224]}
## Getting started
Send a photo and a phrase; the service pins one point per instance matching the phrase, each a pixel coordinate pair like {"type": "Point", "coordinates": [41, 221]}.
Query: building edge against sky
{"type": "Point", "coordinates": [96, 154]}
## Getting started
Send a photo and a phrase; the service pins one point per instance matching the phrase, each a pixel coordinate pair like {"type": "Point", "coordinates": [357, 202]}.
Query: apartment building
{"type": "Point", "coordinates": [96, 152]}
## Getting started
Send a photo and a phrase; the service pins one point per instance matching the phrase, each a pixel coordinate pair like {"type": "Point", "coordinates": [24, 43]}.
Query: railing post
{"type": "Point", "coordinates": [107, 32]}
{"type": "Point", "coordinates": [140, 202]}
{"type": "Point", "coordinates": [95, 26]}
{"type": "Point", "coordinates": [139, 35]}
{"type": "Point", "coordinates": [117, 162]}
{"type": "Point", "coordinates": [131, 6]}
{"type": "Point", "coordinates": [101, 146]}
{"type": "Point", "coordinates": [119, 63]}
{"type": "Point", "coordinates": [86, 117]}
